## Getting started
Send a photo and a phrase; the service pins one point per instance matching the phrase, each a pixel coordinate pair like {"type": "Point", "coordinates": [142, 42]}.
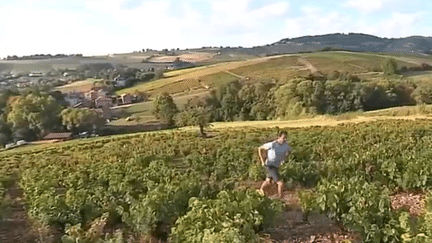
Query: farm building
{"type": "Point", "coordinates": [91, 95]}
{"type": "Point", "coordinates": [103, 101]}
{"type": "Point", "coordinates": [120, 81]}
{"type": "Point", "coordinates": [104, 112]}
{"type": "Point", "coordinates": [74, 98]}
{"type": "Point", "coordinates": [61, 136]}
{"type": "Point", "coordinates": [126, 99]}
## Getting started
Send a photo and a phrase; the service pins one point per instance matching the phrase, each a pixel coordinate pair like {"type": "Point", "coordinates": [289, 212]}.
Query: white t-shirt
{"type": "Point", "coordinates": [276, 153]}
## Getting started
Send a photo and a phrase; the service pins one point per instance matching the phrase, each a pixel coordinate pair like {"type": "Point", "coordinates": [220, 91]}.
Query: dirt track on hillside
{"type": "Point", "coordinates": [319, 121]}
{"type": "Point", "coordinates": [308, 65]}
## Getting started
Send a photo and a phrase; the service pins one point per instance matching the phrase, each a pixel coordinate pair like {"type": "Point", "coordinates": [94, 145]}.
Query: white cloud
{"type": "Point", "coordinates": [366, 6]}
{"type": "Point", "coordinates": [271, 10]}
{"type": "Point", "coordinates": [399, 25]}
{"type": "Point", "coordinates": [230, 7]}
{"type": "Point", "coordinates": [107, 26]}
{"type": "Point", "coordinates": [36, 31]}
{"type": "Point", "coordinates": [315, 21]}
{"type": "Point", "coordinates": [228, 22]}
{"type": "Point", "coordinates": [235, 18]}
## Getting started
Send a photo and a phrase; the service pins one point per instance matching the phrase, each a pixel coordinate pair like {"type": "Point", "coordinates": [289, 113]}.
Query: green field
{"type": "Point", "coordinates": [142, 112]}
{"type": "Point", "coordinates": [282, 68]}
{"type": "Point", "coordinates": [177, 186]}
{"type": "Point", "coordinates": [420, 77]}
{"type": "Point", "coordinates": [276, 69]}
{"type": "Point", "coordinates": [185, 79]}
{"type": "Point", "coordinates": [279, 68]}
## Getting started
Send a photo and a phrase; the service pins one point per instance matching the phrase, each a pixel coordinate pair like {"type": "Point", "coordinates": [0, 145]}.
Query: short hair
{"type": "Point", "coordinates": [281, 133]}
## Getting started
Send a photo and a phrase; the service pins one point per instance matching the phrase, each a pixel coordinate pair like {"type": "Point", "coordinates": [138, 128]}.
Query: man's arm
{"type": "Point", "coordinates": [260, 150]}
{"type": "Point", "coordinates": [289, 149]}
{"type": "Point", "coordinates": [265, 147]}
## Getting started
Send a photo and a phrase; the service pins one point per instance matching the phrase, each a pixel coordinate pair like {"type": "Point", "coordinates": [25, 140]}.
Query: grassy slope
{"type": "Point", "coordinates": [49, 64]}
{"type": "Point", "coordinates": [189, 78]}
{"type": "Point", "coordinates": [144, 110]}
{"type": "Point", "coordinates": [276, 67]}
{"type": "Point", "coordinates": [281, 68]}
{"type": "Point", "coordinates": [82, 86]}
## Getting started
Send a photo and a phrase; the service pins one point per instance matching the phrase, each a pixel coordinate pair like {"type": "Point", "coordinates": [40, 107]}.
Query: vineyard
{"type": "Point", "coordinates": [177, 187]}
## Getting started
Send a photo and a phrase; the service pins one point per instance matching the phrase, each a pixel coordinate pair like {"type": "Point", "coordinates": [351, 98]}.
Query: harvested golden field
{"type": "Point", "coordinates": [81, 86]}
{"type": "Point", "coordinates": [187, 77]}
{"type": "Point", "coordinates": [281, 68]}
{"type": "Point", "coordinates": [187, 57]}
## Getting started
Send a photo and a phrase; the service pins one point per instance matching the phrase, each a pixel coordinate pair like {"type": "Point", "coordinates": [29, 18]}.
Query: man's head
{"type": "Point", "coordinates": [282, 136]}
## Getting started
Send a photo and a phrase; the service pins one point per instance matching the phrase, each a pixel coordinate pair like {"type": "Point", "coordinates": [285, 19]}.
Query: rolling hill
{"type": "Point", "coordinates": [281, 67]}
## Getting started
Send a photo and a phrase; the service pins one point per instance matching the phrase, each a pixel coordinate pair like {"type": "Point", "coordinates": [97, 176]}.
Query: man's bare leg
{"type": "Point", "coordinates": [266, 183]}
{"type": "Point", "coordinates": [280, 188]}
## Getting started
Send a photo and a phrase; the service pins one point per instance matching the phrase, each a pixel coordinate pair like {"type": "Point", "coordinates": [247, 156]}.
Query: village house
{"type": "Point", "coordinates": [103, 101]}
{"type": "Point", "coordinates": [101, 91]}
{"type": "Point", "coordinates": [105, 112]}
{"type": "Point", "coordinates": [35, 74]}
{"type": "Point", "coordinates": [125, 99]}
{"type": "Point", "coordinates": [120, 81]}
{"type": "Point", "coordinates": [85, 103]}
{"type": "Point", "coordinates": [74, 98]}
{"type": "Point", "coordinates": [60, 136]}
{"type": "Point", "coordinates": [91, 95]}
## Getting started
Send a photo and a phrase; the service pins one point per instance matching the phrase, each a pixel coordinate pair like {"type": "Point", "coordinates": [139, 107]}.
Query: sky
{"type": "Point", "coordinates": [100, 27]}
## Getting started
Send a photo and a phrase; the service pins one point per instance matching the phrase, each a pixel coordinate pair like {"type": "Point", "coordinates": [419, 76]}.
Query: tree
{"type": "Point", "coordinates": [59, 98]}
{"type": "Point", "coordinates": [164, 108]}
{"type": "Point", "coordinates": [80, 119]}
{"type": "Point", "coordinates": [5, 133]}
{"type": "Point", "coordinates": [389, 67]}
{"type": "Point", "coordinates": [286, 97]}
{"type": "Point", "coordinates": [333, 75]}
{"type": "Point", "coordinates": [35, 112]}
{"type": "Point", "coordinates": [24, 133]}
{"type": "Point", "coordinates": [248, 98]}
{"type": "Point", "coordinates": [423, 94]}
{"type": "Point", "coordinates": [158, 74]}
{"type": "Point", "coordinates": [230, 102]}
{"type": "Point", "coordinates": [196, 116]}
{"type": "Point", "coordinates": [3, 140]}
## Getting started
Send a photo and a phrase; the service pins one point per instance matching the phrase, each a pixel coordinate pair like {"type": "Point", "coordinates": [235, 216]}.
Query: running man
{"type": "Point", "coordinates": [277, 152]}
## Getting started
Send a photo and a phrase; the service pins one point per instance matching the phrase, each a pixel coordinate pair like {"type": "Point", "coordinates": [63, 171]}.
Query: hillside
{"type": "Point", "coordinates": [152, 185]}
{"type": "Point", "coordinates": [278, 67]}
{"type": "Point", "coordinates": [359, 42]}
{"type": "Point", "coordinates": [194, 83]}
{"type": "Point", "coordinates": [413, 45]}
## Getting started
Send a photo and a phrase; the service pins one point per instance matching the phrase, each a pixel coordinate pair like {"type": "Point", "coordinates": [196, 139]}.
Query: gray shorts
{"type": "Point", "coordinates": [273, 172]}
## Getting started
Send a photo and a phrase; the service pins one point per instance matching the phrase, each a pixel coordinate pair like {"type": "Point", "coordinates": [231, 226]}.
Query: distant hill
{"type": "Point", "coordinates": [352, 42]}
{"type": "Point", "coordinates": [413, 45]}
{"type": "Point", "coordinates": [357, 42]}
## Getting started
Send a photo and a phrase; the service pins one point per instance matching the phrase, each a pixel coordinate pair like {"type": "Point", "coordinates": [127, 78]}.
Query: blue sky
{"type": "Point", "coordinates": [98, 27]}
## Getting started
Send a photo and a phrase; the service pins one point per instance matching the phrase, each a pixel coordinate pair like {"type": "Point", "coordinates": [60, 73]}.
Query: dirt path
{"type": "Point", "coordinates": [290, 226]}
{"type": "Point", "coordinates": [405, 59]}
{"type": "Point", "coordinates": [235, 75]}
{"type": "Point", "coordinates": [16, 228]}
{"type": "Point", "coordinates": [357, 66]}
{"type": "Point", "coordinates": [308, 65]}
{"type": "Point", "coordinates": [318, 121]}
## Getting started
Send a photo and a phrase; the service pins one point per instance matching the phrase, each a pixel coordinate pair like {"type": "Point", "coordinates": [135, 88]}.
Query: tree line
{"type": "Point", "coordinates": [333, 94]}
